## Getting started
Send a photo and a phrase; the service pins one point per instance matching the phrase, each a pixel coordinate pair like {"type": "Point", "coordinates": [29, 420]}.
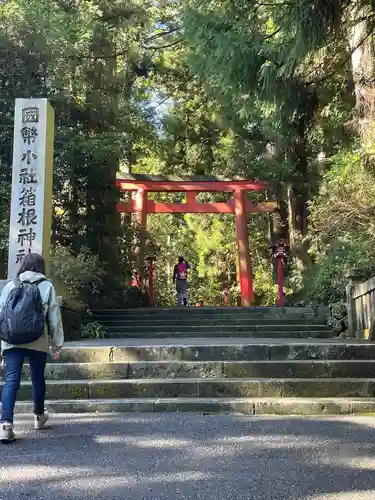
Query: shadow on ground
{"type": "Point", "coordinates": [181, 456]}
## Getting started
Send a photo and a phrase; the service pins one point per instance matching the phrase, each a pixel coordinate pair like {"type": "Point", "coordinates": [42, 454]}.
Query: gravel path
{"type": "Point", "coordinates": [182, 456]}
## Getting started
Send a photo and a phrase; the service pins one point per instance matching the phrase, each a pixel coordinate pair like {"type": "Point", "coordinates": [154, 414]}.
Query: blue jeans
{"type": "Point", "coordinates": [14, 359]}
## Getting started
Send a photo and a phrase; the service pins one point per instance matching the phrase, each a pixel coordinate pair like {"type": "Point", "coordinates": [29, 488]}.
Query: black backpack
{"type": "Point", "coordinates": [22, 318]}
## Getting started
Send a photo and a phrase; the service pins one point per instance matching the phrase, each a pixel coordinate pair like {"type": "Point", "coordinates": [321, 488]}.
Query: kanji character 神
{"type": "Point", "coordinates": [26, 235]}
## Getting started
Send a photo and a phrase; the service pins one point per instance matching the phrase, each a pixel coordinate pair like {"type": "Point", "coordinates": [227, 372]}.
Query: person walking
{"type": "Point", "coordinates": [180, 273]}
{"type": "Point", "coordinates": [38, 319]}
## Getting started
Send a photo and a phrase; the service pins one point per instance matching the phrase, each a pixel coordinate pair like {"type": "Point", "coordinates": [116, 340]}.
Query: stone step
{"type": "Point", "coordinates": [147, 318]}
{"type": "Point", "coordinates": [201, 311]}
{"type": "Point", "coordinates": [206, 388]}
{"type": "Point", "coordinates": [321, 334]}
{"type": "Point", "coordinates": [245, 406]}
{"type": "Point", "coordinates": [207, 369]}
{"type": "Point", "coordinates": [210, 316]}
{"type": "Point", "coordinates": [131, 322]}
{"type": "Point", "coordinates": [216, 350]}
{"type": "Point", "coordinates": [206, 329]}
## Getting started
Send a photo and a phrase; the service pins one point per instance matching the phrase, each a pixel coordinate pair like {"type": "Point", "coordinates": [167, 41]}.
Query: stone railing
{"type": "Point", "coordinates": [360, 298]}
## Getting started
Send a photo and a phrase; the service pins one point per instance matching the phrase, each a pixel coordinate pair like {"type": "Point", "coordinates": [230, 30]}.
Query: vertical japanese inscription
{"type": "Point", "coordinates": [32, 177]}
{"type": "Point", "coordinates": [27, 215]}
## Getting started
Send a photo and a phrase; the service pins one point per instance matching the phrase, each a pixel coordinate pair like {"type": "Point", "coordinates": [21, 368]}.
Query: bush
{"type": "Point", "coordinates": [265, 289]}
{"type": "Point", "coordinates": [342, 227]}
{"type": "Point", "coordinates": [93, 330]}
{"type": "Point", "coordinates": [82, 274]}
{"type": "Point", "coordinates": [325, 282]}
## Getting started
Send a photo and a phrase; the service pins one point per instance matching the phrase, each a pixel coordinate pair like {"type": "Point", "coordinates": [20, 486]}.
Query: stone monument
{"type": "Point", "coordinates": [31, 202]}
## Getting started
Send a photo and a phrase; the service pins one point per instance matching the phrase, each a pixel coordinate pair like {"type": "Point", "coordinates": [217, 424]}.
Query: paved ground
{"type": "Point", "coordinates": [174, 456]}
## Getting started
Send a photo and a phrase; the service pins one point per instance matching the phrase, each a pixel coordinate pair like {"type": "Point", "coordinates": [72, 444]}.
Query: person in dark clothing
{"type": "Point", "coordinates": [180, 273]}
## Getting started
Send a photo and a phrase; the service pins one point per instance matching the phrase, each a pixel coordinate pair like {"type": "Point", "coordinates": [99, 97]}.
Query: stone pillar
{"type": "Point", "coordinates": [31, 203]}
{"type": "Point", "coordinates": [244, 262]}
{"type": "Point", "coordinates": [350, 306]}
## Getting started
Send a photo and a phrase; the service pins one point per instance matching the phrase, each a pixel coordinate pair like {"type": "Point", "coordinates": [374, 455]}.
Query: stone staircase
{"type": "Point", "coordinates": [250, 361]}
{"type": "Point", "coordinates": [265, 322]}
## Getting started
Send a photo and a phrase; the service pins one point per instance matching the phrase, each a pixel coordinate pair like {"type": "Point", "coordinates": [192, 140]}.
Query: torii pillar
{"type": "Point", "coordinates": [141, 198]}
{"type": "Point", "coordinates": [243, 252]}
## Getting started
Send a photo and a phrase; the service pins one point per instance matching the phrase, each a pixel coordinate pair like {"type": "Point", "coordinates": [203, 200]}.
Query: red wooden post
{"type": "Point", "coordinates": [244, 262]}
{"type": "Point", "coordinates": [190, 197]}
{"type": "Point", "coordinates": [141, 219]}
{"type": "Point", "coordinates": [280, 282]}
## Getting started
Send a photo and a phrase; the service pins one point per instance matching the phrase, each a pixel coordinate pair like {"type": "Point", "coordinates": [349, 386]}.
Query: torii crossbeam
{"type": "Point", "coordinates": [240, 206]}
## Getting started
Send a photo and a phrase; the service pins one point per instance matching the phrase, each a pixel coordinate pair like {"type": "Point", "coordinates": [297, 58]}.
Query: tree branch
{"type": "Point", "coordinates": [176, 42]}
{"type": "Point", "coordinates": [161, 34]}
{"type": "Point", "coordinates": [272, 34]}
{"type": "Point", "coordinates": [104, 56]}
{"type": "Point", "coordinates": [118, 54]}
{"type": "Point", "coordinates": [275, 4]}
{"type": "Point", "coordinates": [344, 61]}
{"type": "Point", "coordinates": [189, 77]}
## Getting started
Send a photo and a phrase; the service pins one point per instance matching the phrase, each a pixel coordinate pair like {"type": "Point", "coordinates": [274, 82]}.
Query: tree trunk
{"type": "Point", "coordinates": [297, 200]}
{"type": "Point", "coordinates": [362, 61]}
{"type": "Point", "coordinates": [102, 220]}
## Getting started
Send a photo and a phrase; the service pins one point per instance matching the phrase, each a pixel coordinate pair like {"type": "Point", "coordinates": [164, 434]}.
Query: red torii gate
{"type": "Point", "coordinates": [240, 206]}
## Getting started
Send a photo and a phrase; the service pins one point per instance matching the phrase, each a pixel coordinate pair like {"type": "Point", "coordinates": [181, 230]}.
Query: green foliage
{"type": "Point", "coordinates": [86, 58]}
{"type": "Point", "coordinates": [265, 289]}
{"type": "Point", "coordinates": [342, 223]}
{"type": "Point", "coordinates": [93, 330]}
{"type": "Point", "coordinates": [326, 281]}
{"type": "Point", "coordinates": [346, 202]}
{"type": "Point", "coordinates": [81, 274]}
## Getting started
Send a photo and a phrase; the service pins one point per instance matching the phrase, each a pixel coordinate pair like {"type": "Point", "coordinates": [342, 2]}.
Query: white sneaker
{"type": "Point", "coordinates": [41, 420]}
{"type": "Point", "coordinates": [6, 433]}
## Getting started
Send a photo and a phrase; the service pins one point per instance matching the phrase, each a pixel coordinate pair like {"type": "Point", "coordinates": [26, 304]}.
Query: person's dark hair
{"type": "Point", "coordinates": [180, 259]}
{"type": "Point", "coordinates": [32, 262]}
